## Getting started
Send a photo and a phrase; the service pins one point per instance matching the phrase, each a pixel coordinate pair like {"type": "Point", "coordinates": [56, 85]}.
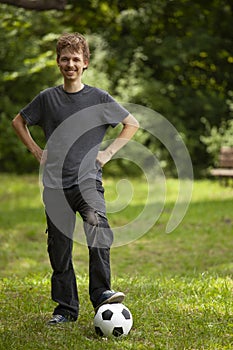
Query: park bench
{"type": "Point", "coordinates": [225, 169]}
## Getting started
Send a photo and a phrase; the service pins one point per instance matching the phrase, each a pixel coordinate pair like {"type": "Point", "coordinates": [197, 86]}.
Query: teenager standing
{"type": "Point", "coordinates": [91, 111]}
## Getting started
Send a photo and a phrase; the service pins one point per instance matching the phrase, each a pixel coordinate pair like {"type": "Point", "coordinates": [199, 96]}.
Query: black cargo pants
{"type": "Point", "coordinates": [61, 207]}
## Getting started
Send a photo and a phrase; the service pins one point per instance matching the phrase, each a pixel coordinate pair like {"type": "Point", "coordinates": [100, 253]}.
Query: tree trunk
{"type": "Point", "coordinates": [38, 5]}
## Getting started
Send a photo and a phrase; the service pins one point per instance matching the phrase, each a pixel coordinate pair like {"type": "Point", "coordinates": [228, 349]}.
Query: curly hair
{"type": "Point", "coordinates": [75, 42]}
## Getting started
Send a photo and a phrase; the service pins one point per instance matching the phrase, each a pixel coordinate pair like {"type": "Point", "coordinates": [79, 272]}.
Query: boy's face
{"type": "Point", "coordinates": [71, 64]}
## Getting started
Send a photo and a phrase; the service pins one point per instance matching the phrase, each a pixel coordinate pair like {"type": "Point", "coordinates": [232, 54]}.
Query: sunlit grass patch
{"type": "Point", "coordinates": [178, 286]}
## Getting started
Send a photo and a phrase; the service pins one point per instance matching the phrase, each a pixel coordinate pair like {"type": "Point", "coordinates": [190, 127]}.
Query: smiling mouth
{"type": "Point", "coordinates": [70, 72]}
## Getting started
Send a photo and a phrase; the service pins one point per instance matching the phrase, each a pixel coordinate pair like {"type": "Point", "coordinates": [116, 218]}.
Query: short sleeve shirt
{"type": "Point", "coordinates": [74, 125]}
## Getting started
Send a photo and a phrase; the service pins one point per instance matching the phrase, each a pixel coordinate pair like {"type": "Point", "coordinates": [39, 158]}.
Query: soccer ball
{"type": "Point", "coordinates": [113, 319]}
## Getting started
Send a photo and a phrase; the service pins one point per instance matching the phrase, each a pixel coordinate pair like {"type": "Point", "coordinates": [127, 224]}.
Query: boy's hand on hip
{"type": "Point", "coordinates": [40, 155]}
{"type": "Point", "coordinates": [103, 157]}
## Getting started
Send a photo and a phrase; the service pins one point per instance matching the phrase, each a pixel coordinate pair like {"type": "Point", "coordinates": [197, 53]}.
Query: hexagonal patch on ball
{"type": "Point", "coordinates": [107, 315]}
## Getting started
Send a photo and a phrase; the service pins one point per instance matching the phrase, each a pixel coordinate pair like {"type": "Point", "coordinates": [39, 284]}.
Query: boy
{"type": "Point", "coordinates": [72, 173]}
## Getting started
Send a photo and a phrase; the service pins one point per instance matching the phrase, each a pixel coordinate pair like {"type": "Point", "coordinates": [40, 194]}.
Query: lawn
{"type": "Point", "coordinates": [178, 286]}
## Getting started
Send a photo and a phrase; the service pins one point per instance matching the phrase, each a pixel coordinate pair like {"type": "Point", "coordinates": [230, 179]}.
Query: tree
{"type": "Point", "coordinates": [38, 5]}
{"type": "Point", "coordinates": [27, 64]}
{"type": "Point", "coordinates": [172, 56]}
{"type": "Point", "coordinates": [175, 57]}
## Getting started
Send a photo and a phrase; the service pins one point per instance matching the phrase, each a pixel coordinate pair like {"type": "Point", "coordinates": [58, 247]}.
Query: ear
{"type": "Point", "coordinates": [85, 64]}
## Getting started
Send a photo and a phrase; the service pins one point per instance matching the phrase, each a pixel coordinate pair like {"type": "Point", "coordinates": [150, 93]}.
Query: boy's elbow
{"type": "Point", "coordinates": [13, 123]}
{"type": "Point", "coordinates": [17, 121]}
{"type": "Point", "coordinates": [132, 121]}
{"type": "Point", "coordinates": [137, 125]}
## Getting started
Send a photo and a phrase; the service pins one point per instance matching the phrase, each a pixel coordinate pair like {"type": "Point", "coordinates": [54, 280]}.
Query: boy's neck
{"type": "Point", "coordinates": [70, 86]}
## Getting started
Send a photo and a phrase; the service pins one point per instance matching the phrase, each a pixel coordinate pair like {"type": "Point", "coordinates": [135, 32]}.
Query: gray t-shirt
{"type": "Point", "coordinates": [74, 125]}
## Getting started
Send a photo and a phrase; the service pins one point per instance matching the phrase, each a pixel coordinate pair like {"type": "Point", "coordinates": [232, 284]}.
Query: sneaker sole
{"type": "Point", "coordinates": [116, 298]}
{"type": "Point", "coordinates": [59, 323]}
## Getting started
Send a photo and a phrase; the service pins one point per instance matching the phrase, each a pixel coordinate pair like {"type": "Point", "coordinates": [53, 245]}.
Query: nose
{"type": "Point", "coordinates": [70, 63]}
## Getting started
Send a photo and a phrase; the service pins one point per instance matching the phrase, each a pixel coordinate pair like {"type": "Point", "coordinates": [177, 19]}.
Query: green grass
{"type": "Point", "coordinates": [179, 285]}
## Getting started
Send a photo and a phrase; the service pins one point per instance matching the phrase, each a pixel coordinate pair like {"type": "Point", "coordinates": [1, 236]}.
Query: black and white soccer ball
{"type": "Point", "coordinates": [113, 319]}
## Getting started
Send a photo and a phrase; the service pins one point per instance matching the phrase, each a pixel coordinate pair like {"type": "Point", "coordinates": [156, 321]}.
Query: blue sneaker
{"type": "Point", "coordinates": [57, 319]}
{"type": "Point", "coordinates": [109, 297]}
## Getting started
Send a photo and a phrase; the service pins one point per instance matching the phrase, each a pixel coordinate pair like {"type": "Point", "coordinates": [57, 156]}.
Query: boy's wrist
{"type": "Point", "coordinates": [110, 151]}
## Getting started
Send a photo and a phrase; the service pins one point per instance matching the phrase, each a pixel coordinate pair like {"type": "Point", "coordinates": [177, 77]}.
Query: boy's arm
{"type": "Point", "coordinates": [130, 126]}
{"type": "Point", "coordinates": [20, 126]}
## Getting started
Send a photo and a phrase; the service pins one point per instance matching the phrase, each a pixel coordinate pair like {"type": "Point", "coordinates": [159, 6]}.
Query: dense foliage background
{"type": "Point", "coordinates": [173, 56]}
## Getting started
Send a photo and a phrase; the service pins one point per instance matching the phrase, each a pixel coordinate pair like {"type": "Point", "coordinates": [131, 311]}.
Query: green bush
{"type": "Point", "coordinates": [217, 138]}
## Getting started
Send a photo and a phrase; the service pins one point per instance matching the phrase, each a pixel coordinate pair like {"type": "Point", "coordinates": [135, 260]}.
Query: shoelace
{"type": "Point", "coordinates": [58, 318]}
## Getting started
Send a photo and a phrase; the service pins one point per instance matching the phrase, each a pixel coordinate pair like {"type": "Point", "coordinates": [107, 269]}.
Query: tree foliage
{"type": "Point", "coordinates": [38, 5]}
{"type": "Point", "coordinates": [177, 60]}
{"type": "Point", "coordinates": [172, 56]}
